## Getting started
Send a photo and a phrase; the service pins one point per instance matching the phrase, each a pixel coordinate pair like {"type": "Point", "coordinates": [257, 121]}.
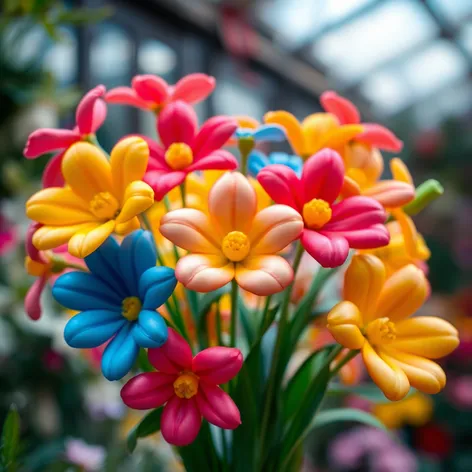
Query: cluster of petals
{"type": "Point", "coordinates": [375, 317]}
{"type": "Point", "coordinates": [186, 149]}
{"type": "Point", "coordinates": [117, 301]}
{"type": "Point", "coordinates": [331, 227]}
{"type": "Point", "coordinates": [150, 92]}
{"type": "Point", "coordinates": [189, 388]}
{"type": "Point", "coordinates": [257, 160]}
{"type": "Point", "coordinates": [101, 196]}
{"type": "Point", "coordinates": [233, 240]}
{"type": "Point", "coordinates": [90, 115]}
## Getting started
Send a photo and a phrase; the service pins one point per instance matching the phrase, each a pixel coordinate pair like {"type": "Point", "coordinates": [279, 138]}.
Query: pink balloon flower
{"type": "Point", "coordinates": [188, 387]}
{"type": "Point", "coordinates": [150, 92]}
{"type": "Point", "coordinates": [185, 150]}
{"type": "Point", "coordinates": [330, 228]}
{"type": "Point", "coordinates": [90, 115]}
{"type": "Point", "coordinates": [347, 113]}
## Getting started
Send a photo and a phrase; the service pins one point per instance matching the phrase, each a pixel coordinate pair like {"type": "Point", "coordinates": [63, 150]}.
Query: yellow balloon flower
{"type": "Point", "coordinates": [100, 197]}
{"type": "Point", "coordinates": [374, 317]}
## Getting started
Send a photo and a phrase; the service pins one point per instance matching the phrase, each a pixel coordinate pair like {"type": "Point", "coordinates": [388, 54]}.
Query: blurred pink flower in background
{"type": "Point", "coordinates": [90, 458]}
{"type": "Point", "coordinates": [460, 391]}
{"type": "Point", "coordinates": [8, 236]}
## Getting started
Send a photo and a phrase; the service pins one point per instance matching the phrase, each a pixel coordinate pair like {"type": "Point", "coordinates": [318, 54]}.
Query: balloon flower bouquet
{"type": "Point", "coordinates": [197, 261]}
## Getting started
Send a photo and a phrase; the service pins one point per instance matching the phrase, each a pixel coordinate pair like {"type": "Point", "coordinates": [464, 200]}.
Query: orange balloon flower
{"type": "Point", "coordinates": [374, 318]}
{"type": "Point", "coordinates": [234, 240]}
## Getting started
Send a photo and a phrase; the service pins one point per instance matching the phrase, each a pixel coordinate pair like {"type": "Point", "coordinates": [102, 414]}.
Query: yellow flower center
{"type": "Point", "coordinates": [37, 269]}
{"type": "Point", "coordinates": [104, 206]}
{"type": "Point", "coordinates": [130, 308]}
{"type": "Point", "coordinates": [179, 156]}
{"type": "Point", "coordinates": [381, 331]}
{"type": "Point", "coordinates": [186, 385]}
{"type": "Point", "coordinates": [316, 213]}
{"type": "Point", "coordinates": [236, 246]}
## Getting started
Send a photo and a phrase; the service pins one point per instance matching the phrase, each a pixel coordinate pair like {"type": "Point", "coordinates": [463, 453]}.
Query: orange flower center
{"type": "Point", "coordinates": [37, 269]}
{"type": "Point", "coordinates": [104, 206]}
{"type": "Point", "coordinates": [186, 385]}
{"type": "Point", "coordinates": [179, 156]}
{"type": "Point", "coordinates": [316, 213]}
{"type": "Point", "coordinates": [381, 331]}
{"type": "Point", "coordinates": [236, 246]}
{"type": "Point", "coordinates": [130, 308]}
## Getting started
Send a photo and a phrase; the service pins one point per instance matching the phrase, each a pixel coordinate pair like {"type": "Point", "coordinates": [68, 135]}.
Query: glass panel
{"type": "Point", "coordinates": [389, 30]}
{"type": "Point", "coordinates": [61, 58]}
{"type": "Point", "coordinates": [453, 10]}
{"type": "Point", "coordinates": [295, 21]}
{"type": "Point", "coordinates": [434, 68]}
{"type": "Point", "coordinates": [387, 91]}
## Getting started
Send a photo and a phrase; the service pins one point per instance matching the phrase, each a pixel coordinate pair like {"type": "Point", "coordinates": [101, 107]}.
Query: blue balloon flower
{"type": "Point", "coordinates": [272, 133]}
{"type": "Point", "coordinates": [118, 301]}
{"type": "Point", "coordinates": [257, 160]}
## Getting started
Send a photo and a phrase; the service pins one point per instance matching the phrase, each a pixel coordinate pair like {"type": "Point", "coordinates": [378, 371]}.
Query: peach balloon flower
{"type": "Point", "coordinates": [151, 92]}
{"type": "Point", "coordinates": [374, 317]}
{"type": "Point", "coordinates": [331, 227]}
{"type": "Point", "coordinates": [189, 388]}
{"type": "Point", "coordinates": [234, 240]}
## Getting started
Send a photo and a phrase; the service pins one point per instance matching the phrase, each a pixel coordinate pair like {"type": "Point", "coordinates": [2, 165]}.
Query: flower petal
{"type": "Point", "coordinates": [174, 356]}
{"type": "Point", "coordinates": [204, 273]}
{"type": "Point", "coordinates": [400, 171]}
{"type": "Point", "coordinates": [137, 255]}
{"type": "Point", "coordinates": [232, 204]}
{"type": "Point", "coordinates": [409, 232]}
{"type": "Point", "coordinates": [138, 197]}
{"type": "Point", "coordinates": [148, 390]}
{"type": "Point", "coordinates": [127, 96]}
{"type": "Point", "coordinates": [292, 128]}
{"type": "Point", "coordinates": [86, 170]}
{"type": "Point", "coordinates": [391, 193]}
{"type": "Point", "coordinates": [50, 237]}
{"type": "Point", "coordinates": [151, 88]}
{"type": "Point", "coordinates": [128, 161]}
{"type": "Point", "coordinates": [403, 293]}
{"type": "Point", "coordinates": [380, 137]}
{"type": "Point", "coordinates": [426, 336]}
{"type": "Point", "coordinates": [423, 374]}
{"type": "Point", "coordinates": [282, 185]}
{"type": "Point", "coordinates": [274, 228]}
{"type": "Point", "coordinates": [78, 290]}
{"type": "Point", "coordinates": [156, 155]}
{"type": "Point", "coordinates": [363, 282]}
{"type": "Point", "coordinates": [217, 407]}
{"type": "Point", "coordinates": [150, 329]}
{"type": "Point", "coordinates": [33, 298]}
{"type": "Point", "coordinates": [367, 238]}
{"type": "Point", "coordinates": [177, 124]}
{"type": "Point", "coordinates": [163, 182]}
{"type": "Point", "coordinates": [193, 88]}
{"type": "Point", "coordinates": [91, 111]}
{"type": "Point", "coordinates": [214, 134]}
{"type": "Point", "coordinates": [46, 140]}
{"type": "Point", "coordinates": [256, 161]}
{"type": "Point", "coordinates": [344, 322]}
{"type": "Point", "coordinates": [217, 365]}
{"type": "Point", "coordinates": [52, 175]}
{"type": "Point", "coordinates": [31, 251]}
{"type": "Point", "coordinates": [353, 213]}
{"type": "Point", "coordinates": [92, 328]}
{"type": "Point", "coordinates": [387, 375]}
{"type": "Point", "coordinates": [58, 206]}
{"type": "Point", "coordinates": [181, 421]}
{"type": "Point", "coordinates": [322, 176]}
{"type": "Point", "coordinates": [128, 226]}
{"type": "Point", "coordinates": [344, 110]}
{"type": "Point", "coordinates": [264, 275]}
{"type": "Point", "coordinates": [340, 136]}
{"type": "Point", "coordinates": [217, 160]}
{"type": "Point", "coordinates": [120, 354]}
{"type": "Point", "coordinates": [273, 133]}
{"type": "Point", "coordinates": [156, 286]}
{"type": "Point", "coordinates": [85, 241]}
{"type": "Point", "coordinates": [191, 230]}
{"type": "Point", "coordinates": [329, 251]}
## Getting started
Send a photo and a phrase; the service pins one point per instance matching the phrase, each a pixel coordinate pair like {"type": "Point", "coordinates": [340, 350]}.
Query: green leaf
{"type": "Point", "coordinates": [10, 439]}
{"type": "Point", "coordinates": [247, 321]}
{"type": "Point", "coordinates": [150, 424]}
{"type": "Point", "coordinates": [368, 391]}
{"type": "Point", "coordinates": [143, 361]}
{"type": "Point", "coordinates": [206, 303]}
{"type": "Point", "coordinates": [271, 314]}
{"type": "Point", "coordinates": [344, 414]}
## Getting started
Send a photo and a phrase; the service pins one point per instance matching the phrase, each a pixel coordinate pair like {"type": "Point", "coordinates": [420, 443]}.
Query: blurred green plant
{"type": "Point", "coordinates": [10, 444]}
